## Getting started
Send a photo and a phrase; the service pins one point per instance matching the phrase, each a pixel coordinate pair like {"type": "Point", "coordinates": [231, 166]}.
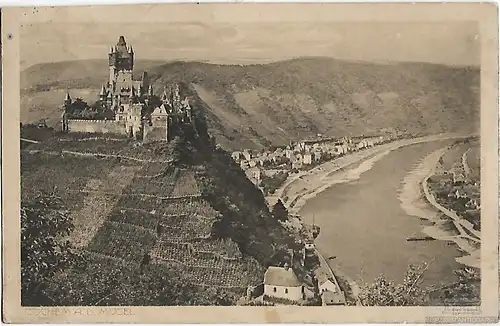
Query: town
{"type": "Point", "coordinates": [457, 188]}
{"type": "Point", "coordinates": [269, 167]}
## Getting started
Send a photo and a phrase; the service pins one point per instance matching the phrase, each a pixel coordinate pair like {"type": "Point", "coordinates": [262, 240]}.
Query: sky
{"type": "Point", "coordinates": [450, 43]}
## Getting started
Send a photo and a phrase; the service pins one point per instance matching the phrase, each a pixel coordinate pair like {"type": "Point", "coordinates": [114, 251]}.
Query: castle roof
{"type": "Point", "coordinates": [103, 91]}
{"type": "Point", "coordinates": [121, 40]}
{"type": "Point", "coordinates": [121, 48]}
{"type": "Point", "coordinates": [160, 111]}
{"type": "Point", "coordinates": [67, 98]}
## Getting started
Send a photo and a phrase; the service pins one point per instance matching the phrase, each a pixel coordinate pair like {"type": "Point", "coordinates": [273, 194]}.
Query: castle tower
{"type": "Point", "coordinates": [145, 82]}
{"type": "Point", "coordinates": [164, 97]}
{"type": "Point", "coordinates": [64, 116]}
{"type": "Point", "coordinates": [121, 58]}
{"type": "Point", "coordinates": [64, 121]}
{"type": "Point", "coordinates": [67, 100]}
{"type": "Point", "coordinates": [109, 99]}
{"type": "Point", "coordinates": [102, 94]}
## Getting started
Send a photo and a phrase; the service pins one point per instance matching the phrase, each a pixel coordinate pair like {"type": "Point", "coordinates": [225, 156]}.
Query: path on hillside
{"type": "Point", "coordinates": [97, 155]}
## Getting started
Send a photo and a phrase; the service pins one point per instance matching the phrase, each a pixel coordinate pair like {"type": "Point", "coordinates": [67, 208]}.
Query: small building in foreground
{"type": "Point", "coordinates": [330, 292]}
{"type": "Point", "coordinates": [282, 282]}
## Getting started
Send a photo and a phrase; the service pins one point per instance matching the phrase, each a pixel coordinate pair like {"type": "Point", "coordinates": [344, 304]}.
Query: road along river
{"type": "Point", "coordinates": [365, 213]}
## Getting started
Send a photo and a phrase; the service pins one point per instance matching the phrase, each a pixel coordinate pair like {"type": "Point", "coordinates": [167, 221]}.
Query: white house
{"type": "Point", "coordinates": [307, 158]}
{"type": "Point", "coordinates": [330, 293]}
{"type": "Point", "coordinates": [327, 285]}
{"type": "Point", "coordinates": [236, 155]}
{"type": "Point", "coordinates": [281, 282]}
{"type": "Point", "coordinates": [247, 155]}
{"type": "Point", "coordinates": [254, 174]}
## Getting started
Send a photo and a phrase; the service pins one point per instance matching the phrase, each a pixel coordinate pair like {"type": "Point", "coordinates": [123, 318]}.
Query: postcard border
{"type": "Point", "coordinates": [483, 13]}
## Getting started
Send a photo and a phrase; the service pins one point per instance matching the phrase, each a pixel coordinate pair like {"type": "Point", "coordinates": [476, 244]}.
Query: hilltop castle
{"type": "Point", "coordinates": [130, 105]}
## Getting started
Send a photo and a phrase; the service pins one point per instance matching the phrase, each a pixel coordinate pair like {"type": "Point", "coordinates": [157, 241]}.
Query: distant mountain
{"type": "Point", "coordinates": [255, 105]}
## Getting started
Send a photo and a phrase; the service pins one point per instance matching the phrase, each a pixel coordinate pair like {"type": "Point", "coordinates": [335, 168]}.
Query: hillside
{"type": "Point", "coordinates": [157, 223]}
{"type": "Point", "coordinates": [255, 105]}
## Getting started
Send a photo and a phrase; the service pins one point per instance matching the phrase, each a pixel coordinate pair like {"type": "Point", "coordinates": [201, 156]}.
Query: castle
{"type": "Point", "coordinates": [134, 108]}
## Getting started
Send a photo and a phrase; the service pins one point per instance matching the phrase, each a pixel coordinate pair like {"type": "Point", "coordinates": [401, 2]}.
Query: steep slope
{"type": "Point", "coordinates": [255, 105]}
{"type": "Point", "coordinates": [179, 215]}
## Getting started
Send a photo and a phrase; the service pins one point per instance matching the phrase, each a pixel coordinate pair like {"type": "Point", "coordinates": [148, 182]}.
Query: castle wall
{"type": "Point", "coordinates": [94, 126]}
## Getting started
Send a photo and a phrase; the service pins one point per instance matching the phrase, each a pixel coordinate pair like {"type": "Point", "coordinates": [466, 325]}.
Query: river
{"type": "Point", "coordinates": [363, 224]}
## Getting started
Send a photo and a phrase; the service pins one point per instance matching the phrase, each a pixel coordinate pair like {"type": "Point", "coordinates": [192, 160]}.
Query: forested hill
{"type": "Point", "coordinates": [255, 105]}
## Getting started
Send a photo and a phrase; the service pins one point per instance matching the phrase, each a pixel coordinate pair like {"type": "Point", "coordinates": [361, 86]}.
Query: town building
{"type": "Point", "coordinates": [282, 282]}
{"type": "Point", "coordinates": [330, 292]}
{"type": "Point", "coordinates": [307, 158]}
{"type": "Point", "coordinates": [254, 175]}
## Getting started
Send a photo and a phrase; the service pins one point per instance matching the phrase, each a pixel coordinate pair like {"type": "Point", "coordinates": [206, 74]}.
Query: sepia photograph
{"type": "Point", "coordinates": [191, 160]}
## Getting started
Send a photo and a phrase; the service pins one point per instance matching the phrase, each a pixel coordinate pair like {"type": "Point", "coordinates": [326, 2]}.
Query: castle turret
{"type": "Point", "coordinates": [145, 82]}
{"type": "Point", "coordinates": [67, 99]}
{"type": "Point", "coordinates": [103, 93]}
{"type": "Point", "coordinates": [133, 95]}
{"type": "Point", "coordinates": [64, 115]}
{"type": "Point", "coordinates": [164, 96]}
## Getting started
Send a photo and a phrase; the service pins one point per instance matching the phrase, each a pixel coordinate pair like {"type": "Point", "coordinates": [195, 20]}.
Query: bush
{"type": "Point", "coordinates": [43, 221]}
{"type": "Point", "coordinates": [411, 292]}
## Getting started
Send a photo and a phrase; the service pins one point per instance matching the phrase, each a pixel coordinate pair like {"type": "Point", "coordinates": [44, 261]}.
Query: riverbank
{"type": "Point", "coordinates": [299, 188]}
{"type": "Point", "coordinates": [468, 239]}
{"type": "Point", "coordinates": [302, 187]}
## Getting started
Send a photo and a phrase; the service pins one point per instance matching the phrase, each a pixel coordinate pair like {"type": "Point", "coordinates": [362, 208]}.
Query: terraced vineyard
{"type": "Point", "coordinates": [123, 240]}
{"type": "Point", "coordinates": [129, 211]}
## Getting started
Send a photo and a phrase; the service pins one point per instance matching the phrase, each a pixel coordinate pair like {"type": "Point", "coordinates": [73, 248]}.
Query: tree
{"type": "Point", "coordinates": [383, 292]}
{"type": "Point", "coordinates": [279, 211]}
{"type": "Point", "coordinates": [43, 223]}
{"type": "Point", "coordinates": [466, 291]}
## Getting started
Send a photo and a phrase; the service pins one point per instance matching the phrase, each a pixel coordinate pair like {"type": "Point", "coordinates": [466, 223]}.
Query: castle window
{"type": "Point", "coordinates": [274, 289]}
{"type": "Point", "coordinates": [286, 291]}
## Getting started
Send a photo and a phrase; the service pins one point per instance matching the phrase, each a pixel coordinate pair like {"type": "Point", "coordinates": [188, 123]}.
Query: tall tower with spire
{"type": "Point", "coordinates": [121, 59]}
